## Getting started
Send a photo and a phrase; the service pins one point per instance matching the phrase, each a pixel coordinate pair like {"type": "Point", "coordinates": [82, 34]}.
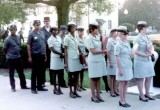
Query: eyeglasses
{"type": "Point", "coordinates": [46, 21]}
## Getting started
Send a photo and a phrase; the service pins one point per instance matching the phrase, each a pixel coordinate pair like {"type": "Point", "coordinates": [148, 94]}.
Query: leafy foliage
{"type": "Point", "coordinates": [12, 11]}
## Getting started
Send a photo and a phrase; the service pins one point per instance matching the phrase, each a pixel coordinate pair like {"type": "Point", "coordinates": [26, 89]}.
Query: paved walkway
{"type": "Point", "coordinates": [24, 100]}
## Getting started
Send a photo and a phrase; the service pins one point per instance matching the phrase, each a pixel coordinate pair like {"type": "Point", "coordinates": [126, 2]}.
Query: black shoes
{"type": "Point", "coordinates": [34, 92]}
{"type": "Point", "coordinates": [150, 98]}
{"type": "Point", "coordinates": [25, 87]}
{"type": "Point", "coordinates": [113, 95]}
{"type": "Point", "coordinates": [117, 94]}
{"type": "Point", "coordinates": [13, 90]}
{"type": "Point", "coordinates": [56, 92]}
{"type": "Point", "coordinates": [95, 100]}
{"type": "Point", "coordinates": [78, 96]}
{"type": "Point", "coordinates": [124, 105]}
{"type": "Point", "coordinates": [143, 100]}
{"type": "Point", "coordinates": [101, 100]}
{"type": "Point", "coordinates": [42, 89]}
{"type": "Point", "coordinates": [72, 95]}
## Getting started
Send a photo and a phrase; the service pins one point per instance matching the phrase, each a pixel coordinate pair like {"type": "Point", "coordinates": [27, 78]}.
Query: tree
{"type": "Point", "coordinates": [11, 12]}
{"type": "Point", "coordinates": [147, 10]}
{"type": "Point", "coordinates": [63, 7]}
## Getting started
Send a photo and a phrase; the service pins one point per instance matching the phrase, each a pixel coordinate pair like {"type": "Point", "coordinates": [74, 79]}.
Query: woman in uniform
{"type": "Point", "coordinates": [111, 62]}
{"type": "Point", "coordinates": [72, 62]}
{"type": "Point", "coordinates": [57, 59]}
{"type": "Point", "coordinates": [124, 72]}
{"type": "Point", "coordinates": [96, 62]}
{"type": "Point", "coordinates": [143, 66]}
{"type": "Point", "coordinates": [82, 47]}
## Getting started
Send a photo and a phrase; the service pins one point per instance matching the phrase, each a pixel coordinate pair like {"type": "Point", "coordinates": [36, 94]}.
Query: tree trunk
{"type": "Point", "coordinates": [62, 12]}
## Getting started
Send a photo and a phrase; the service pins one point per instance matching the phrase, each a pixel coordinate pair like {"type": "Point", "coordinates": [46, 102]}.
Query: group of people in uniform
{"type": "Point", "coordinates": [72, 52]}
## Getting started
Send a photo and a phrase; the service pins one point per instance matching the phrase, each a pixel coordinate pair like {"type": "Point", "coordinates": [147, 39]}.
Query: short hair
{"type": "Point", "coordinates": [140, 27]}
{"type": "Point", "coordinates": [92, 28]}
{"type": "Point", "coordinates": [53, 28]}
{"type": "Point", "coordinates": [70, 26]}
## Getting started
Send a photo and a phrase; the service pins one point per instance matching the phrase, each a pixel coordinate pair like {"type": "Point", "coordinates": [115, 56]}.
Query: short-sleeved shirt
{"type": "Point", "coordinates": [110, 45]}
{"type": "Point", "coordinates": [72, 44]}
{"type": "Point", "coordinates": [143, 44]}
{"type": "Point", "coordinates": [55, 42]}
{"type": "Point", "coordinates": [82, 45]}
{"type": "Point", "coordinates": [37, 42]}
{"type": "Point", "coordinates": [94, 43]}
{"type": "Point", "coordinates": [12, 45]}
{"type": "Point", "coordinates": [110, 48]}
{"type": "Point", "coordinates": [123, 50]}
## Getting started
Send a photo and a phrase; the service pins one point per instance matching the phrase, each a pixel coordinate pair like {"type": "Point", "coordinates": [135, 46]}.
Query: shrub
{"type": "Point", "coordinates": [3, 63]}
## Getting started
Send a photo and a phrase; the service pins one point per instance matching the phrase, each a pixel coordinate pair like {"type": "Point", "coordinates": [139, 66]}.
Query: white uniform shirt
{"type": "Point", "coordinates": [56, 43]}
{"type": "Point", "coordinates": [72, 44]}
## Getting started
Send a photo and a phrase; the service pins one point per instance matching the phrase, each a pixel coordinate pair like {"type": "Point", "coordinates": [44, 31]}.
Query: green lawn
{"type": "Point", "coordinates": [86, 82]}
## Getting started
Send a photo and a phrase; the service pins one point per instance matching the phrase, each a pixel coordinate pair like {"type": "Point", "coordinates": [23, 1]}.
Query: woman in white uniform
{"type": "Point", "coordinates": [72, 61]}
{"type": "Point", "coordinates": [111, 62]}
{"type": "Point", "coordinates": [143, 66]}
{"type": "Point", "coordinates": [96, 62]}
{"type": "Point", "coordinates": [82, 47]}
{"type": "Point", "coordinates": [124, 71]}
{"type": "Point", "coordinates": [57, 59]}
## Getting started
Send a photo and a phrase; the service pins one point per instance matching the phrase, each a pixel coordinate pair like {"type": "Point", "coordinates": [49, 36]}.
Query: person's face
{"type": "Point", "coordinates": [80, 33]}
{"type": "Point", "coordinates": [47, 23]}
{"type": "Point", "coordinates": [37, 26]}
{"type": "Point", "coordinates": [95, 31]}
{"type": "Point", "coordinates": [63, 32]}
{"type": "Point", "coordinates": [144, 29]}
{"type": "Point", "coordinates": [73, 29]}
{"type": "Point", "coordinates": [114, 34]}
{"type": "Point", "coordinates": [13, 31]}
{"type": "Point", "coordinates": [54, 32]}
{"type": "Point", "coordinates": [123, 36]}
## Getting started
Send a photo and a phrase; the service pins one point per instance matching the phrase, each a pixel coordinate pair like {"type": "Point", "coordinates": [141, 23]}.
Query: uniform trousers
{"type": "Point", "coordinates": [16, 64]}
{"type": "Point", "coordinates": [38, 71]}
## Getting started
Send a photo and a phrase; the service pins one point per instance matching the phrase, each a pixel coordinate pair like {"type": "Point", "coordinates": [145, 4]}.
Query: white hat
{"type": "Point", "coordinates": [80, 27]}
{"type": "Point", "coordinates": [123, 29]}
{"type": "Point", "coordinates": [71, 23]}
{"type": "Point", "coordinates": [142, 22]}
{"type": "Point", "coordinates": [94, 23]}
{"type": "Point", "coordinates": [114, 29]}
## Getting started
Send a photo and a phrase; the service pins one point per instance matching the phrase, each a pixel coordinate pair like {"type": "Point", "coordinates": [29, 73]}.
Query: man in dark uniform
{"type": "Point", "coordinates": [12, 50]}
{"type": "Point", "coordinates": [21, 35]}
{"type": "Point", "coordinates": [62, 34]}
{"type": "Point", "coordinates": [36, 46]}
{"type": "Point", "coordinates": [46, 30]}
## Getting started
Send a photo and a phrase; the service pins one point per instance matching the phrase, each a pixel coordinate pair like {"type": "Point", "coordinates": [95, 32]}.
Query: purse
{"type": "Point", "coordinates": [152, 57]}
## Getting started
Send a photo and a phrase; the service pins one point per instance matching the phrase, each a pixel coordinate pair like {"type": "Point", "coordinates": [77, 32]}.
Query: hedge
{"type": "Point", "coordinates": [3, 63]}
{"type": "Point", "coordinates": [24, 54]}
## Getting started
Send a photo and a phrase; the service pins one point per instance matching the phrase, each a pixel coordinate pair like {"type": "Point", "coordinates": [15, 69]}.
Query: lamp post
{"type": "Point", "coordinates": [125, 11]}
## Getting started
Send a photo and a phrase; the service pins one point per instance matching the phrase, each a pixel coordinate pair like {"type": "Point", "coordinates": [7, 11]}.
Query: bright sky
{"type": "Point", "coordinates": [121, 1]}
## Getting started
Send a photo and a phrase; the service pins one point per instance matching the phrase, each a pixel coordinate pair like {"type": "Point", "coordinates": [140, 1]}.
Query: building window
{"type": "Point", "coordinates": [109, 24]}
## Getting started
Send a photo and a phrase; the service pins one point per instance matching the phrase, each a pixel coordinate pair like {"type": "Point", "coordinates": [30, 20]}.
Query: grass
{"type": "Point", "coordinates": [86, 81]}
